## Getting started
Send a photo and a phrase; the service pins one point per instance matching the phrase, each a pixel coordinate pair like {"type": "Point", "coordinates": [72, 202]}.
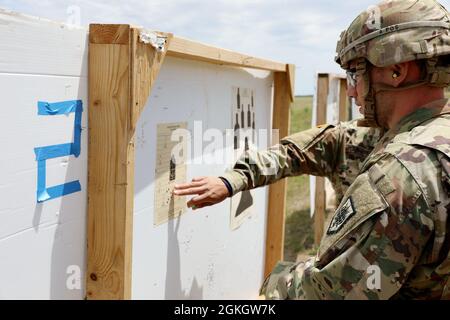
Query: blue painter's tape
{"type": "Point", "coordinates": [42, 194]}
{"type": "Point", "coordinates": [65, 107]}
{"type": "Point", "coordinates": [51, 152]}
{"type": "Point", "coordinates": [57, 151]}
{"type": "Point", "coordinates": [64, 189]}
{"type": "Point", "coordinates": [76, 146]}
{"type": "Point", "coordinates": [67, 149]}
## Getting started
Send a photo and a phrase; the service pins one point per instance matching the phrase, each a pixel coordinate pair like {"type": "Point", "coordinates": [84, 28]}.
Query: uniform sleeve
{"type": "Point", "coordinates": [313, 152]}
{"type": "Point", "coordinates": [372, 243]}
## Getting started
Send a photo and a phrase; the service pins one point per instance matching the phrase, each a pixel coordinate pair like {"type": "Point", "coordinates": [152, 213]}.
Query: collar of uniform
{"type": "Point", "coordinates": [425, 113]}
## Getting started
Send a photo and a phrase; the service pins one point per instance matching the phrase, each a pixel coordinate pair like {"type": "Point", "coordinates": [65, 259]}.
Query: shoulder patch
{"type": "Point", "coordinates": [346, 211]}
{"type": "Point", "coordinates": [362, 201]}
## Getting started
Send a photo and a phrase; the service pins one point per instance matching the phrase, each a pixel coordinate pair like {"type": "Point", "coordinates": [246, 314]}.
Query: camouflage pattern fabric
{"type": "Point", "coordinates": [336, 152]}
{"type": "Point", "coordinates": [393, 221]}
{"type": "Point", "coordinates": [395, 31]}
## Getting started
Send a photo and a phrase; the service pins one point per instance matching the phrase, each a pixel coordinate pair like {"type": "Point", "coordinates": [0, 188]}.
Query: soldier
{"type": "Point", "coordinates": [390, 236]}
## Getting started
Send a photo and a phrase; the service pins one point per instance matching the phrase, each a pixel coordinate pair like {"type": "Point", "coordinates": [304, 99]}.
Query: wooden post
{"type": "Point", "coordinates": [320, 199]}
{"type": "Point", "coordinates": [283, 96]}
{"type": "Point", "coordinates": [121, 73]}
{"type": "Point", "coordinates": [344, 111]}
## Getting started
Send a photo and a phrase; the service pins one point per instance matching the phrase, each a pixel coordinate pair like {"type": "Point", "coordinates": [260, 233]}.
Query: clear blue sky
{"type": "Point", "coordinates": [303, 32]}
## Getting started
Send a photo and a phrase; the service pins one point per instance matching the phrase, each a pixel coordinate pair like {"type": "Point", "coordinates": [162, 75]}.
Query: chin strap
{"type": "Point", "coordinates": [370, 112]}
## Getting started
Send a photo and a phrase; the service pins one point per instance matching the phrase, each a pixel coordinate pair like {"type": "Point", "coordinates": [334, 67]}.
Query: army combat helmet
{"type": "Point", "coordinates": [397, 31]}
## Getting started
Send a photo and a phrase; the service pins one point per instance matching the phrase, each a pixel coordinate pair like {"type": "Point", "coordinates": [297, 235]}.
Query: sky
{"type": "Point", "coordinates": [302, 32]}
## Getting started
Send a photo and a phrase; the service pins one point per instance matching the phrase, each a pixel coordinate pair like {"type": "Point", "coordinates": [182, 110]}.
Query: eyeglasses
{"type": "Point", "coordinates": [352, 77]}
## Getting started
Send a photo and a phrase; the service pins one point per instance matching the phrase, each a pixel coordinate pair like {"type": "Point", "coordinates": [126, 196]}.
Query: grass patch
{"type": "Point", "coordinates": [299, 236]}
{"type": "Point", "coordinates": [301, 112]}
{"type": "Point", "coordinates": [299, 232]}
{"type": "Point", "coordinates": [298, 187]}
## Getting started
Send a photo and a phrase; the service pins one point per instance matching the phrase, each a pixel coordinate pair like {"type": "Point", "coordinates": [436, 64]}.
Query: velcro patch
{"type": "Point", "coordinates": [362, 201]}
{"type": "Point", "coordinates": [346, 211]}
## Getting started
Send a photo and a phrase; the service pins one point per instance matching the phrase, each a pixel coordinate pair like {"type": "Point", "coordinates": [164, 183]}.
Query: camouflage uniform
{"type": "Point", "coordinates": [394, 216]}
{"type": "Point", "coordinates": [336, 152]}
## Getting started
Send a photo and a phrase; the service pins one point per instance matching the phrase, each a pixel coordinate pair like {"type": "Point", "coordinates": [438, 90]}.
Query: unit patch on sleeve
{"type": "Point", "coordinates": [344, 213]}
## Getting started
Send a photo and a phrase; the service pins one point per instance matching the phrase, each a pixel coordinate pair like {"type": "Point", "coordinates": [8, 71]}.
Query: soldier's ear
{"type": "Point", "coordinates": [398, 73]}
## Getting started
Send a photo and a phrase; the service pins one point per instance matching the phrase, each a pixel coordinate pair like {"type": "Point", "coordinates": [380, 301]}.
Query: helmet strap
{"type": "Point", "coordinates": [384, 87]}
{"type": "Point", "coordinates": [437, 75]}
{"type": "Point", "coordinates": [369, 96]}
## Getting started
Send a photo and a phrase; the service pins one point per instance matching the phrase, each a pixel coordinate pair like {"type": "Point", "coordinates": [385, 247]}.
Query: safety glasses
{"type": "Point", "coordinates": [352, 78]}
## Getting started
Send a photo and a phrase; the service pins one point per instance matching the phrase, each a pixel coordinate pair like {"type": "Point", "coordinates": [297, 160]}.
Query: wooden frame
{"type": "Point", "coordinates": [321, 116]}
{"type": "Point", "coordinates": [283, 84]}
{"type": "Point", "coordinates": [323, 82]}
{"type": "Point", "coordinates": [122, 71]}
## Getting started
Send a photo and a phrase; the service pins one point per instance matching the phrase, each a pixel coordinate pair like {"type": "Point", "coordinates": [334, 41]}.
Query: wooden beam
{"type": "Point", "coordinates": [291, 77]}
{"type": "Point", "coordinates": [320, 198]}
{"type": "Point", "coordinates": [109, 34]}
{"type": "Point", "coordinates": [145, 66]}
{"type": "Point", "coordinates": [277, 191]}
{"type": "Point", "coordinates": [187, 49]}
{"type": "Point", "coordinates": [109, 246]}
{"type": "Point", "coordinates": [344, 114]}
{"type": "Point", "coordinates": [117, 94]}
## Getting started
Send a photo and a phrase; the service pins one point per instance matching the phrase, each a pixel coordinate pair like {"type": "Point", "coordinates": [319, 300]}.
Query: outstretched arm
{"type": "Point", "coordinates": [304, 152]}
{"type": "Point", "coordinates": [330, 151]}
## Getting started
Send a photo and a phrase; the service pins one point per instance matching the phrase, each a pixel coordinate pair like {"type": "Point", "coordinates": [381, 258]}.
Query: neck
{"type": "Point", "coordinates": [408, 101]}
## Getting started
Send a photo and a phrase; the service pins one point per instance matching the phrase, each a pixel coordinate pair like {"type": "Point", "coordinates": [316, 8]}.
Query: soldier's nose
{"type": "Point", "coordinates": [351, 91]}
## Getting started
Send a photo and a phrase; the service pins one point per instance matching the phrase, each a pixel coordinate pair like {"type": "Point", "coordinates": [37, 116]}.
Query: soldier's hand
{"type": "Point", "coordinates": [209, 191]}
